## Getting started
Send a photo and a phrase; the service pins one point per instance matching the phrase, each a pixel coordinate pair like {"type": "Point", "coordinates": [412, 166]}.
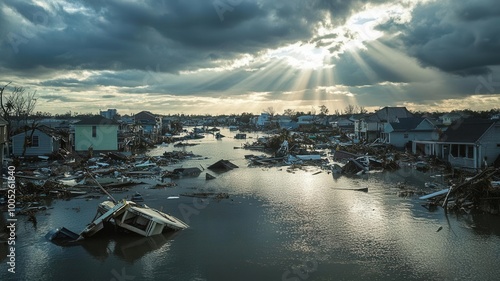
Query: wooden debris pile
{"type": "Point", "coordinates": [475, 193]}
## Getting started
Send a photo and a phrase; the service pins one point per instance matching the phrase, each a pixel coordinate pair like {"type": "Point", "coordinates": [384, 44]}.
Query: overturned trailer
{"type": "Point", "coordinates": [131, 216]}
{"type": "Point", "coordinates": [124, 215]}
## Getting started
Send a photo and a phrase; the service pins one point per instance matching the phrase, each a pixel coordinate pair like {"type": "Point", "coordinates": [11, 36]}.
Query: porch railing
{"type": "Point", "coordinates": [461, 161]}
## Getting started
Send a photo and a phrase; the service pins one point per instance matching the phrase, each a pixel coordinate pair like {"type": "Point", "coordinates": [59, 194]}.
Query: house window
{"type": "Point", "coordinates": [94, 131]}
{"type": "Point", "coordinates": [34, 141]}
{"type": "Point", "coordinates": [405, 136]}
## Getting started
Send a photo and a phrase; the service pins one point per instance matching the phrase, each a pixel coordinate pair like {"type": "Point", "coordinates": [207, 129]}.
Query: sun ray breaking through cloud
{"type": "Point", "coordinates": [173, 56]}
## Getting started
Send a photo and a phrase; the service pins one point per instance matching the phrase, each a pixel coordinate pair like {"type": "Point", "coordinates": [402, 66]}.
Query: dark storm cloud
{"type": "Point", "coordinates": [52, 98]}
{"type": "Point", "coordinates": [461, 37]}
{"type": "Point", "coordinates": [68, 82]}
{"type": "Point", "coordinates": [175, 35]}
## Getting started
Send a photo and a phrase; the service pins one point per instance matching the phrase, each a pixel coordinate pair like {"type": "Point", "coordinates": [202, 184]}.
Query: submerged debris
{"type": "Point", "coordinates": [222, 165]}
{"type": "Point", "coordinates": [474, 193]}
{"type": "Point", "coordinates": [214, 195]}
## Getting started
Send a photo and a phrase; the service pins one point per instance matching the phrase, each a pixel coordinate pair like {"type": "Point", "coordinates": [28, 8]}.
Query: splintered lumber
{"type": "Point", "coordinates": [485, 174]}
{"type": "Point", "coordinates": [434, 194]}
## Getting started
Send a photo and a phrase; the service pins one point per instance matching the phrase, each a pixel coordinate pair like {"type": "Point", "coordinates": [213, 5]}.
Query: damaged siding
{"type": "Point", "coordinates": [491, 144]}
{"type": "Point", "coordinates": [45, 144]}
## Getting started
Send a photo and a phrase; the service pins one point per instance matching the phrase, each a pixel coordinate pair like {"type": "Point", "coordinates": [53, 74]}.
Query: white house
{"type": "Point", "coordinates": [263, 119]}
{"type": "Point", "coordinates": [43, 140]}
{"type": "Point", "coordinates": [371, 127]}
{"type": "Point", "coordinates": [405, 130]}
{"type": "Point", "coordinates": [470, 144]}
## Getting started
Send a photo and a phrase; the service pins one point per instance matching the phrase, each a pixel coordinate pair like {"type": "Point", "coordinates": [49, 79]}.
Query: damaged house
{"type": "Point", "coordinates": [41, 141]}
{"type": "Point", "coordinates": [98, 133]}
{"type": "Point", "coordinates": [405, 131]}
{"type": "Point", "coordinates": [371, 127]}
{"type": "Point", "coordinates": [468, 144]}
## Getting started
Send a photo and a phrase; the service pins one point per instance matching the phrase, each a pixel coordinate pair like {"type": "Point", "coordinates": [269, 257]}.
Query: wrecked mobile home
{"type": "Point", "coordinates": [122, 215]}
{"type": "Point", "coordinates": [125, 216]}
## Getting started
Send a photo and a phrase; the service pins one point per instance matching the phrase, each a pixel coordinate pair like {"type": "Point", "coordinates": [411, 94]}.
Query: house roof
{"type": "Point", "coordinates": [407, 124]}
{"type": "Point", "coordinates": [469, 130]}
{"type": "Point", "coordinates": [46, 130]}
{"type": "Point", "coordinates": [390, 114]}
{"type": "Point", "coordinates": [145, 114]}
{"type": "Point", "coordinates": [3, 121]}
{"type": "Point", "coordinates": [97, 120]}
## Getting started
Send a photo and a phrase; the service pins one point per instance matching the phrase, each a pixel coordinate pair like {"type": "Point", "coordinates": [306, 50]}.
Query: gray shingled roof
{"type": "Point", "coordinates": [390, 114]}
{"type": "Point", "coordinates": [97, 120]}
{"type": "Point", "coordinates": [407, 124]}
{"type": "Point", "coordinates": [468, 131]}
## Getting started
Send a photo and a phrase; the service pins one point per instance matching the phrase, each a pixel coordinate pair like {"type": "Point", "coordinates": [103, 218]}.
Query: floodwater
{"type": "Point", "coordinates": [276, 225]}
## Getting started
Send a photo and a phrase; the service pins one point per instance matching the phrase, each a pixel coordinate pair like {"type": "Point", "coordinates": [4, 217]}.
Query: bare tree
{"type": "Point", "coordinates": [323, 110]}
{"type": "Point", "coordinates": [361, 109]}
{"type": "Point", "coordinates": [337, 112]}
{"type": "Point", "coordinates": [350, 109]}
{"type": "Point", "coordinates": [5, 106]}
{"type": "Point", "coordinates": [270, 110]}
{"type": "Point", "coordinates": [289, 112]}
{"type": "Point", "coordinates": [18, 107]}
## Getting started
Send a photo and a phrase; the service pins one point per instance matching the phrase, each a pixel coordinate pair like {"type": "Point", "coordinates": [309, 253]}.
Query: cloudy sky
{"type": "Point", "coordinates": [233, 56]}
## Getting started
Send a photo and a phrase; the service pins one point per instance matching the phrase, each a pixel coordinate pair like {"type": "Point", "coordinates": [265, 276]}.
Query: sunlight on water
{"type": "Point", "coordinates": [274, 222]}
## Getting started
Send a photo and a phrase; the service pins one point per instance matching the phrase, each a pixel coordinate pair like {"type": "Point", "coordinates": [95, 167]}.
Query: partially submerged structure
{"type": "Point", "coordinates": [123, 215]}
{"type": "Point", "coordinates": [131, 216]}
{"type": "Point", "coordinates": [222, 165]}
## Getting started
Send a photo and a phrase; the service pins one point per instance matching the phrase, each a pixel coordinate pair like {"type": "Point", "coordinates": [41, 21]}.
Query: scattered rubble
{"type": "Point", "coordinates": [66, 175]}
{"type": "Point", "coordinates": [478, 193]}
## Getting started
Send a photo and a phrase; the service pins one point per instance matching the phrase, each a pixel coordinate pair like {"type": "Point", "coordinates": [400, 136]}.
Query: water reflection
{"type": "Point", "coordinates": [127, 247]}
{"type": "Point", "coordinates": [481, 224]}
{"type": "Point", "coordinates": [274, 222]}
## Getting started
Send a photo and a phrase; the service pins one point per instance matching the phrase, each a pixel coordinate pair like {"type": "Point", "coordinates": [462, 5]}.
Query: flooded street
{"type": "Point", "coordinates": [276, 225]}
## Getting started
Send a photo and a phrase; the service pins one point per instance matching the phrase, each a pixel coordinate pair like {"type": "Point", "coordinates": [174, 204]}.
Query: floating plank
{"type": "Point", "coordinates": [364, 189]}
{"type": "Point", "coordinates": [434, 194]}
